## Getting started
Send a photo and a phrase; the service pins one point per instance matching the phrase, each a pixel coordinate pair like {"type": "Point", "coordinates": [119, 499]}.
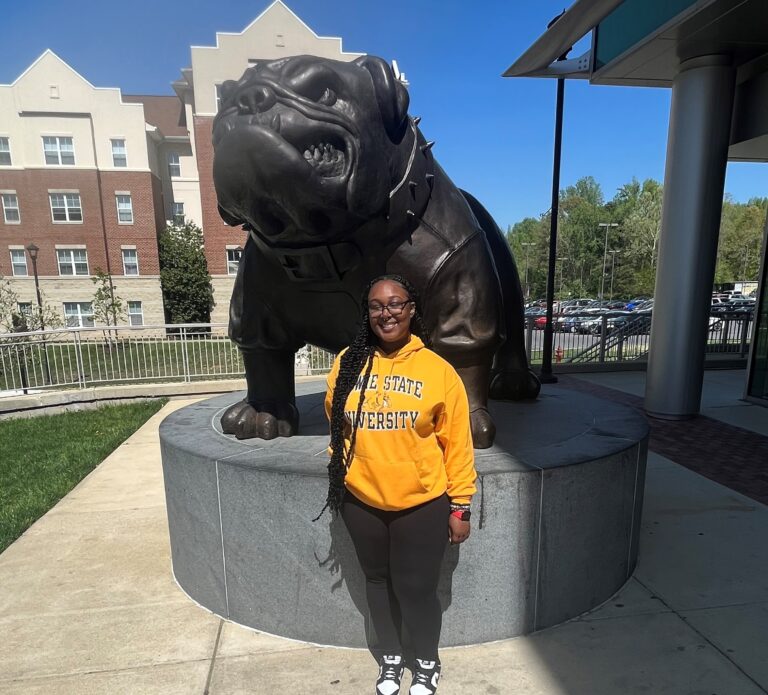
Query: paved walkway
{"type": "Point", "coordinates": [88, 603]}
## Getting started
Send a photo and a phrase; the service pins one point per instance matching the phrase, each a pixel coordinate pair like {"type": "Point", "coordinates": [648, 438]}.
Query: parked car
{"type": "Point", "coordinates": [645, 305]}
{"type": "Point", "coordinates": [733, 306]}
{"type": "Point", "coordinates": [632, 304]}
{"type": "Point", "coordinates": [742, 304]}
{"type": "Point", "coordinates": [571, 323]}
{"type": "Point", "coordinates": [633, 322]}
{"type": "Point", "coordinates": [535, 311]}
{"type": "Point", "coordinates": [557, 322]}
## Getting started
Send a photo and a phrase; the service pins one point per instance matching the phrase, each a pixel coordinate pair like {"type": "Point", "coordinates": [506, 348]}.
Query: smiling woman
{"type": "Point", "coordinates": [401, 473]}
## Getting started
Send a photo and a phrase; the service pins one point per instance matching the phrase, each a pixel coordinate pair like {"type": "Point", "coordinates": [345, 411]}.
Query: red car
{"type": "Point", "coordinates": [557, 322]}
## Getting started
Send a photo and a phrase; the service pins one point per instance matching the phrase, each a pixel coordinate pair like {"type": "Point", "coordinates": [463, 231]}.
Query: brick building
{"type": "Point", "coordinates": [90, 175]}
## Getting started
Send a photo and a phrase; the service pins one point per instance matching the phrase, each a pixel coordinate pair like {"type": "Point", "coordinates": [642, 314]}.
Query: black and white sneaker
{"type": "Point", "coordinates": [425, 677]}
{"type": "Point", "coordinates": [390, 674]}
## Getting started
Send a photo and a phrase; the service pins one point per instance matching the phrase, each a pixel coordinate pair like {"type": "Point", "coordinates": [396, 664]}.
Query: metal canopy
{"type": "Point", "coordinates": [577, 21]}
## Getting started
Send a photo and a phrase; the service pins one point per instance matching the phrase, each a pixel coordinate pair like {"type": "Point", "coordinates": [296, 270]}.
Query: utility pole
{"type": "Point", "coordinates": [527, 244]}
{"type": "Point", "coordinates": [613, 265]}
{"type": "Point", "coordinates": [562, 263]}
{"type": "Point", "coordinates": [545, 375]}
{"type": "Point", "coordinates": [607, 226]}
{"type": "Point", "coordinates": [33, 250]}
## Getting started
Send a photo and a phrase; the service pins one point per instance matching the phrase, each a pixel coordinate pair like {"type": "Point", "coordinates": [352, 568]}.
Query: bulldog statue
{"type": "Point", "coordinates": [320, 162]}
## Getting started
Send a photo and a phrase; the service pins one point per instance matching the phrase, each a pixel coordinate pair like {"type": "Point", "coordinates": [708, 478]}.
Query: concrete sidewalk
{"type": "Point", "coordinates": [88, 605]}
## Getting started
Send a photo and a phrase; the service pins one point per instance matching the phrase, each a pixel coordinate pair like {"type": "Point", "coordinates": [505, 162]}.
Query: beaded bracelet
{"type": "Point", "coordinates": [455, 507]}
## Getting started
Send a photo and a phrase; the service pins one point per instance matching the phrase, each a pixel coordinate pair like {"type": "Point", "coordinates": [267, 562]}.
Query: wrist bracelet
{"type": "Point", "coordinates": [464, 515]}
{"type": "Point", "coordinates": [455, 507]}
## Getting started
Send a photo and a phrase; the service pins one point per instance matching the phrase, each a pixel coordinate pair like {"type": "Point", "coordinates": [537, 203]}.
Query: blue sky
{"type": "Point", "coordinates": [493, 135]}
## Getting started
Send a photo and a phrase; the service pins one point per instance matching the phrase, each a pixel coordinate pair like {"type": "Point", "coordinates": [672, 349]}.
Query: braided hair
{"type": "Point", "coordinates": [357, 359]}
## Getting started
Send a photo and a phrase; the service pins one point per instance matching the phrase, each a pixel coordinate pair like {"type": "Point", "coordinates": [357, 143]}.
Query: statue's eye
{"type": "Point", "coordinates": [328, 97]}
{"type": "Point", "coordinates": [316, 82]}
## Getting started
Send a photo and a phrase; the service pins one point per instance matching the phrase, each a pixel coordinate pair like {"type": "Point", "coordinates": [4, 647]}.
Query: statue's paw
{"type": "Point", "coordinates": [483, 429]}
{"type": "Point", "coordinates": [263, 420]}
{"type": "Point", "coordinates": [514, 385]}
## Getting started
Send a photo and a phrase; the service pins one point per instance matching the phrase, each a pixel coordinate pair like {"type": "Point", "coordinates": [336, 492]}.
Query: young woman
{"type": "Point", "coordinates": [401, 473]}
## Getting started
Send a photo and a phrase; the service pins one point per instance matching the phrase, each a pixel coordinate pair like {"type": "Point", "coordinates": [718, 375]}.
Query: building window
{"type": "Point", "coordinates": [218, 98]}
{"type": "Point", "coordinates": [59, 151]}
{"type": "Point", "coordinates": [124, 209]}
{"type": "Point", "coordinates": [177, 213]}
{"type": "Point", "coordinates": [25, 308]}
{"type": "Point", "coordinates": [78, 314]}
{"type": "Point", "coordinates": [130, 262]}
{"type": "Point", "coordinates": [72, 261]}
{"type": "Point", "coordinates": [5, 152]}
{"type": "Point", "coordinates": [65, 207]}
{"type": "Point", "coordinates": [174, 166]}
{"type": "Point", "coordinates": [135, 314]}
{"type": "Point", "coordinates": [233, 259]}
{"type": "Point", "coordinates": [11, 213]}
{"type": "Point", "coordinates": [19, 262]}
{"type": "Point", "coordinates": [119, 156]}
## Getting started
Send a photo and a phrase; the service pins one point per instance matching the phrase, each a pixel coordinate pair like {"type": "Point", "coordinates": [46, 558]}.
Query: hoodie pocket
{"type": "Point", "coordinates": [390, 484]}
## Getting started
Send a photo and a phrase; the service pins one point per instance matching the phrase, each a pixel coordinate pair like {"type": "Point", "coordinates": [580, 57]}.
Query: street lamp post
{"type": "Point", "coordinates": [527, 244]}
{"type": "Point", "coordinates": [613, 253]}
{"type": "Point", "coordinates": [33, 250]}
{"type": "Point", "coordinates": [562, 260]}
{"type": "Point", "coordinates": [546, 376]}
{"type": "Point", "coordinates": [607, 226]}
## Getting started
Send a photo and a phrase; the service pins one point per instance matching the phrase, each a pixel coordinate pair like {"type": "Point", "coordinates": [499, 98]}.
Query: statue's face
{"type": "Point", "coordinates": [302, 152]}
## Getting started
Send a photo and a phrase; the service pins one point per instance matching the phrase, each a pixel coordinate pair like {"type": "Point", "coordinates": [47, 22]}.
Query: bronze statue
{"type": "Point", "coordinates": [319, 160]}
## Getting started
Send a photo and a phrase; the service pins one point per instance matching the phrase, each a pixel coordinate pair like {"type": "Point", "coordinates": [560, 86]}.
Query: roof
{"type": "Point", "coordinates": [562, 33]}
{"type": "Point", "coordinates": [166, 113]}
{"type": "Point", "coordinates": [644, 42]}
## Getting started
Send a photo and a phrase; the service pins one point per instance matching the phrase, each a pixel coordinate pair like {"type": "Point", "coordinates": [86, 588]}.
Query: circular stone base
{"type": "Point", "coordinates": [555, 521]}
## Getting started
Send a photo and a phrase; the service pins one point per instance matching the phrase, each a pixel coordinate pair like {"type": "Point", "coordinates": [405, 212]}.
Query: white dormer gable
{"type": "Point", "coordinates": [50, 98]}
{"type": "Point", "coordinates": [50, 84]}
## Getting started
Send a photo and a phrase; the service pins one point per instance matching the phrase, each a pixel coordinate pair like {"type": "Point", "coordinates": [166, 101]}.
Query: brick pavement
{"type": "Point", "coordinates": [729, 455]}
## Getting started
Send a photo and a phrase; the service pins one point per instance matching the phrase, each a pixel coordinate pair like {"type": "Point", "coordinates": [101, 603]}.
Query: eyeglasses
{"type": "Point", "coordinates": [394, 308]}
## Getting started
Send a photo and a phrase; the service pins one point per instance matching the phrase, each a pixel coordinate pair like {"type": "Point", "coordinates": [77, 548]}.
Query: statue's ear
{"type": "Point", "coordinates": [391, 95]}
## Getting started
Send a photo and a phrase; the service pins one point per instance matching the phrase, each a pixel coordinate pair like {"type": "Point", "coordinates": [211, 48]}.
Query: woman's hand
{"type": "Point", "coordinates": [458, 530]}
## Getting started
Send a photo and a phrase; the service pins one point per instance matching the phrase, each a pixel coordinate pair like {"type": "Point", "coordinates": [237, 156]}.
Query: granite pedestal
{"type": "Point", "coordinates": [555, 522]}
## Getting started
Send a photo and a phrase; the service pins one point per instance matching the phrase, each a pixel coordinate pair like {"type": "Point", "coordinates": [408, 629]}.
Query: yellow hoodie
{"type": "Point", "coordinates": [413, 439]}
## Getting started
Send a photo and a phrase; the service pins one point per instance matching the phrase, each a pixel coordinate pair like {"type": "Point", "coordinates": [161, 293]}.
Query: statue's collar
{"type": "Point", "coordinates": [410, 196]}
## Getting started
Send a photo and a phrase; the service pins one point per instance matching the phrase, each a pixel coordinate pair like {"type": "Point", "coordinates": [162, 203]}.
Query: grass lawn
{"type": "Point", "coordinates": [43, 458]}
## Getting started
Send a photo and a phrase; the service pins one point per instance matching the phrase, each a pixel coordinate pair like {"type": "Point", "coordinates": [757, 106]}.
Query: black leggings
{"type": "Point", "coordinates": [401, 553]}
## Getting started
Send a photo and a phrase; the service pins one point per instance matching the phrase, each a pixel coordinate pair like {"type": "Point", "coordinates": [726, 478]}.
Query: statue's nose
{"type": "Point", "coordinates": [256, 99]}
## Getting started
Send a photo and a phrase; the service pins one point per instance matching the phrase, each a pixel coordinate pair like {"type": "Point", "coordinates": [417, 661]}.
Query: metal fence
{"type": "Point", "coordinates": [84, 357]}
{"type": "Point", "coordinates": [586, 338]}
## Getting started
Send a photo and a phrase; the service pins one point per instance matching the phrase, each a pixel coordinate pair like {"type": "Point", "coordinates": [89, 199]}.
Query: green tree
{"type": "Point", "coordinates": [580, 241]}
{"type": "Point", "coordinates": [633, 246]}
{"type": "Point", "coordinates": [741, 234]}
{"type": "Point", "coordinates": [186, 283]}
{"type": "Point", "coordinates": [529, 242]}
{"type": "Point", "coordinates": [11, 319]}
{"type": "Point", "coordinates": [108, 308]}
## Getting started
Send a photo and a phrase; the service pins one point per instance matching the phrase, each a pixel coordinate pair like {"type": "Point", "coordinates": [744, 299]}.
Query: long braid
{"type": "Point", "coordinates": [357, 356]}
